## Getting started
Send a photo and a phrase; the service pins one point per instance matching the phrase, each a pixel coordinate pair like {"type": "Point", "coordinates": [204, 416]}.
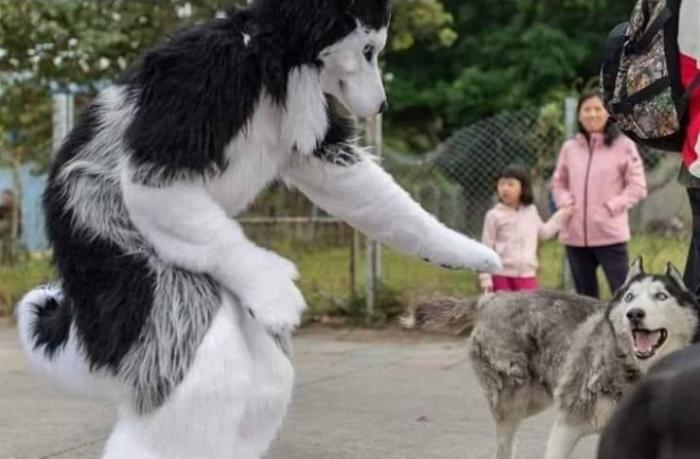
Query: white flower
{"type": "Point", "coordinates": [103, 63]}
{"type": "Point", "coordinates": [72, 42]}
{"type": "Point", "coordinates": [57, 61]}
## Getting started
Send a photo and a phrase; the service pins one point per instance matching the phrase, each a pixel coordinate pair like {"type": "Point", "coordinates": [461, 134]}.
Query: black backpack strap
{"type": "Point", "coordinates": [626, 104]}
{"type": "Point", "coordinates": [688, 94]}
{"type": "Point", "coordinates": [641, 43]}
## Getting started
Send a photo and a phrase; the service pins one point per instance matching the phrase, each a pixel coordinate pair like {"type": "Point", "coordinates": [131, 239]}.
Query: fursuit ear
{"type": "Point", "coordinates": [673, 273]}
{"type": "Point", "coordinates": [636, 269]}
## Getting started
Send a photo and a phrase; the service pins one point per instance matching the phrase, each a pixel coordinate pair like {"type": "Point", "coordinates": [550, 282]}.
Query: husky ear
{"type": "Point", "coordinates": [636, 269]}
{"type": "Point", "coordinates": [673, 273]}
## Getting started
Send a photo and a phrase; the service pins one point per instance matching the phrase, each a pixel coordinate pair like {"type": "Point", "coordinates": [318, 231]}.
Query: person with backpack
{"type": "Point", "coordinates": [689, 65]}
{"type": "Point", "coordinates": [660, 417]}
{"type": "Point", "coordinates": [651, 86]}
{"type": "Point", "coordinates": [600, 173]}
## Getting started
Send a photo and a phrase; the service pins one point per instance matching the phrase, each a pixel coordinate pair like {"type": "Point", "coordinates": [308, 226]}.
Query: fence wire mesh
{"type": "Point", "coordinates": [455, 182]}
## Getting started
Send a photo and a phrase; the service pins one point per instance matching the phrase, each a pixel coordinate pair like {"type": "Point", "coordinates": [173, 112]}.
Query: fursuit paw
{"type": "Point", "coordinates": [277, 305]}
{"type": "Point", "coordinates": [460, 252]}
{"type": "Point", "coordinates": [271, 296]}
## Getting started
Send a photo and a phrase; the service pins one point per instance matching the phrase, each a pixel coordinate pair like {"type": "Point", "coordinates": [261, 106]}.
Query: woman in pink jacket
{"type": "Point", "coordinates": [599, 173]}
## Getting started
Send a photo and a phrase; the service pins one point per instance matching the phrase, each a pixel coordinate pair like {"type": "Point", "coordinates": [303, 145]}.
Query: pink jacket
{"type": "Point", "coordinates": [514, 234]}
{"type": "Point", "coordinates": [602, 183]}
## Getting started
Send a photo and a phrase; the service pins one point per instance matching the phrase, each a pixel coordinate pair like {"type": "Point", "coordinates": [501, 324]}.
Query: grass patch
{"type": "Point", "coordinates": [18, 280]}
{"type": "Point", "coordinates": [325, 276]}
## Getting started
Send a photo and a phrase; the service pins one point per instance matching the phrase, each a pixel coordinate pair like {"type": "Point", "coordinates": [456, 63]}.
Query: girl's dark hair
{"type": "Point", "coordinates": [610, 132]}
{"type": "Point", "coordinates": [520, 173]}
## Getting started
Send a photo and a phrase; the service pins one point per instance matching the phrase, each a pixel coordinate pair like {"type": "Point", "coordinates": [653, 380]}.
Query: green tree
{"type": "Point", "coordinates": [508, 54]}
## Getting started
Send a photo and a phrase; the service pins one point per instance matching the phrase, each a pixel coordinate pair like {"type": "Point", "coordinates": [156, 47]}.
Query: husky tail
{"type": "Point", "coordinates": [444, 315]}
{"type": "Point", "coordinates": [48, 337]}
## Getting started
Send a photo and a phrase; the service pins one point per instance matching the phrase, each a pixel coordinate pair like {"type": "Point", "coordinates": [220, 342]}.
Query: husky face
{"type": "Point", "coordinates": [657, 314]}
{"type": "Point", "coordinates": [351, 70]}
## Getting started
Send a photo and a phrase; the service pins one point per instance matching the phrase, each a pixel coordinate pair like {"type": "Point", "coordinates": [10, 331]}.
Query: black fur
{"type": "Point", "coordinates": [52, 326]}
{"type": "Point", "coordinates": [195, 92]}
{"type": "Point", "coordinates": [659, 418]}
{"type": "Point", "coordinates": [337, 147]}
{"type": "Point", "coordinates": [109, 292]}
{"type": "Point", "coordinates": [198, 89]}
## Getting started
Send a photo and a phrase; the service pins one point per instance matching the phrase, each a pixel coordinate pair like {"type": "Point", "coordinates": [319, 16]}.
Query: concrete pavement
{"type": "Point", "coordinates": [359, 395]}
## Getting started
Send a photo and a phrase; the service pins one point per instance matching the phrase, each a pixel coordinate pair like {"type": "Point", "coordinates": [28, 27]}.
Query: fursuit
{"type": "Point", "coordinates": [532, 350]}
{"type": "Point", "coordinates": [162, 302]}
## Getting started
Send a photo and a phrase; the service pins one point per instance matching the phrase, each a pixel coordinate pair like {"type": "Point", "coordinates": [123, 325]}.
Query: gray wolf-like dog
{"type": "Point", "coordinates": [161, 300]}
{"type": "Point", "coordinates": [536, 349]}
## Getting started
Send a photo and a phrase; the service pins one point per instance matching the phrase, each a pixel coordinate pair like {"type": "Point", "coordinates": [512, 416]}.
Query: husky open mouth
{"type": "Point", "coordinates": [646, 342]}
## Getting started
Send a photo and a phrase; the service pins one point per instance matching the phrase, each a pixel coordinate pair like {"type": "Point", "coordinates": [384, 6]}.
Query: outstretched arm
{"type": "Point", "coordinates": [359, 191]}
{"type": "Point", "coordinates": [189, 229]}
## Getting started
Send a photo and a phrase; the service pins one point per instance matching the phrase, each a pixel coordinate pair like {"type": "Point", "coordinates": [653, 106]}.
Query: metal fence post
{"type": "Point", "coordinates": [373, 139]}
{"type": "Point", "coordinates": [63, 117]}
{"type": "Point", "coordinates": [570, 120]}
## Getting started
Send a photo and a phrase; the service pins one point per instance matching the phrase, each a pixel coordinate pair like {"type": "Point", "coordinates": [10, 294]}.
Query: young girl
{"type": "Point", "coordinates": [513, 228]}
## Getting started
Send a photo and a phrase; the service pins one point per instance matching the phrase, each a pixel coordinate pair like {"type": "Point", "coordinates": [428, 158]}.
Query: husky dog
{"type": "Point", "coordinates": [162, 301]}
{"type": "Point", "coordinates": [532, 350]}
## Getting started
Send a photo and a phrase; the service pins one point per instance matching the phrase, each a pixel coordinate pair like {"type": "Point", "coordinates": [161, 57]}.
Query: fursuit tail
{"type": "Point", "coordinates": [48, 338]}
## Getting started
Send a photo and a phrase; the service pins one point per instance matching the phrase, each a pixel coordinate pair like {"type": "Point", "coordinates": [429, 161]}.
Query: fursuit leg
{"type": "Point", "coordinates": [206, 414]}
{"type": "Point", "coordinates": [270, 393]}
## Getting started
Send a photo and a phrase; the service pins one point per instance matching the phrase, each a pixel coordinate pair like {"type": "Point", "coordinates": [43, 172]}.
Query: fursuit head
{"type": "Point", "coordinates": [531, 350]}
{"type": "Point", "coordinates": [161, 300]}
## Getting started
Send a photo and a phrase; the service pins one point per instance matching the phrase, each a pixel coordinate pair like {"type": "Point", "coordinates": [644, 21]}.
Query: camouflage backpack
{"type": "Point", "coordinates": [640, 76]}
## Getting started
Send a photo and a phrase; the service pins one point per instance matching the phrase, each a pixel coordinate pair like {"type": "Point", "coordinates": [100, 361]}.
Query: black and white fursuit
{"type": "Point", "coordinates": [162, 302]}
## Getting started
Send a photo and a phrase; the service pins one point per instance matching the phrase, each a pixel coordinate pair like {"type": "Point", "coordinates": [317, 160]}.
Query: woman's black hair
{"type": "Point", "coordinates": [520, 173]}
{"type": "Point", "coordinates": [610, 132]}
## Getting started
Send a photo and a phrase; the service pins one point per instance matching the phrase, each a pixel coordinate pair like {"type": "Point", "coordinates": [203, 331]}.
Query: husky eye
{"type": "Point", "coordinates": [368, 52]}
{"type": "Point", "coordinates": [661, 296]}
{"type": "Point", "coordinates": [629, 297]}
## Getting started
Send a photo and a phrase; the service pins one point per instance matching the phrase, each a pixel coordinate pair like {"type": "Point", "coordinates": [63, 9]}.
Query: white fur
{"type": "Point", "coordinates": [563, 439]}
{"type": "Point", "coordinates": [229, 406]}
{"type": "Point", "coordinates": [305, 122]}
{"type": "Point", "coordinates": [362, 90]}
{"type": "Point", "coordinates": [369, 199]}
{"type": "Point", "coordinates": [188, 228]}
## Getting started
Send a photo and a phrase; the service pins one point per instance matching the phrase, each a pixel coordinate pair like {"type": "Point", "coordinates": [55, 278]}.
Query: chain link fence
{"type": "Point", "coordinates": [455, 182]}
